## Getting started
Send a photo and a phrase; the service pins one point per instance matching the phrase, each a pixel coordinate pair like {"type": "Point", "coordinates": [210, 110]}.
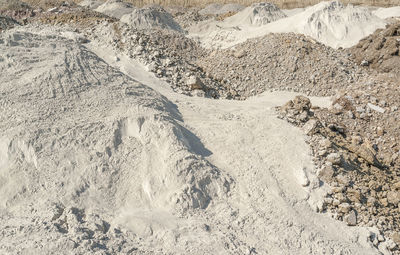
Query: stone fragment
{"type": "Point", "coordinates": [239, 53]}
{"type": "Point", "coordinates": [310, 126]}
{"type": "Point", "coordinates": [351, 218]}
{"type": "Point", "coordinates": [334, 158]}
{"type": "Point", "coordinates": [326, 173]}
{"type": "Point", "coordinates": [376, 108]}
{"type": "Point", "coordinates": [194, 82]}
{"type": "Point", "coordinates": [393, 197]}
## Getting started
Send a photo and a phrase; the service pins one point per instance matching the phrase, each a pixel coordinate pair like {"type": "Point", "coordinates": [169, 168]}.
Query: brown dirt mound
{"type": "Point", "coordinates": [380, 50]}
{"type": "Point", "coordinates": [282, 62]}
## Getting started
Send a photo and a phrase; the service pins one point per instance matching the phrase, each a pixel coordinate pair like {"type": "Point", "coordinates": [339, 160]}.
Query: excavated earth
{"type": "Point", "coordinates": [355, 142]}
{"type": "Point", "coordinates": [381, 50]}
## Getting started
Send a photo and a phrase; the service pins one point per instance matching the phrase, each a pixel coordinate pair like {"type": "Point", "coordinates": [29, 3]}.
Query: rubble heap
{"type": "Point", "coordinates": [281, 62]}
{"type": "Point", "coordinates": [356, 149]}
{"type": "Point", "coordinates": [380, 50]}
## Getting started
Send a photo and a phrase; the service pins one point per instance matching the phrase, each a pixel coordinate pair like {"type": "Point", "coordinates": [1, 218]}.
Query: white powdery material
{"type": "Point", "coordinates": [151, 17]}
{"type": "Point", "coordinates": [337, 25]}
{"type": "Point", "coordinates": [331, 23]}
{"type": "Point", "coordinates": [256, 15]}
{"type": "Point", "coordinates": [115, 8]}
{"type": "Point", "coordinates": [385, 13]}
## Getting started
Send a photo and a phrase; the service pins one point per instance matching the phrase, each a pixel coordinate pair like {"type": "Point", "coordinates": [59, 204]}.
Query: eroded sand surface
{"type": "Point", "coordinates": [94, 159]}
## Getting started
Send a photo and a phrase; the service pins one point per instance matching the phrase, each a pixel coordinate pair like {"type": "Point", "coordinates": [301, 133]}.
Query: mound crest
{"type": "Point", "coordinates": [257, 15]}
{"type": "Point", "coordinates": [115, 8]}
{"type": "Point", "coordinates": [151, 17]}
{"type": "Point", "coordinates": [337, 25]}
{"type": "Point", "coordinates": [77, 132]}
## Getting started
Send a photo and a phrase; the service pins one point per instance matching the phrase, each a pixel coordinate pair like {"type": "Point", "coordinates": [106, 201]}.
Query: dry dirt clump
{"type": "Point", "coordinates": [356, 146]}
{"type": "Point", "coordinates": [381, 50]}
{"type": "Point", "coordinates": [281, 62]}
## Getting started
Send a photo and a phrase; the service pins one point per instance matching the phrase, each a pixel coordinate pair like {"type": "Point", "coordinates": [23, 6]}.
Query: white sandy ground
{"type": "Point", "coordinates": [174, 174]}
{"type": "Point", "coordinates": [269, 161]}
{"type": "Point", "coordinates": [330, 23]}
{"type": "Point", "coordinates": [385, 13]}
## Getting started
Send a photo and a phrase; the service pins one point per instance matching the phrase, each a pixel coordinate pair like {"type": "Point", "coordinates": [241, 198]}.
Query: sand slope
{"type": "Point", "coordinates": [94, 160]}
{"type": "Point", "coordinates": [331, 23]}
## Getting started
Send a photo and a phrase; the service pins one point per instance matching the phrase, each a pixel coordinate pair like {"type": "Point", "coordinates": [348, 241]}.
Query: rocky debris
{"type": "Point", "coordinates": [351, 218]}
{"type": "Point", "coordinates": [76, 16]}
{"type": "Point", "coordinates": [149, 18]}
{"type": "Point", "coordinates": [168, 54]}
{"type": "Point", "coordinates": [195, 83]}
{"type": "Point", "coordinates": [380, 50]}
{"type": "Point", "coordinates": [288, 62]}
{"type": "Point", "coordinates": [66, 228]}
{"type": "Point", "coordinates": [357, 162]}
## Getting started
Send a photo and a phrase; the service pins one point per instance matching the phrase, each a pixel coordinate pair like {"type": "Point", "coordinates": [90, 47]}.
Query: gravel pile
{"type": "Point", "coordinates": [170, 55]}
{"type": "Point", "coordinates": [187, 17]}
{"type": "Point", "coordinates": [380, 50]}
{"type": "Point", "coordinates": [356, 146]}
{"type": "Point", "coordinates": [281, 62]}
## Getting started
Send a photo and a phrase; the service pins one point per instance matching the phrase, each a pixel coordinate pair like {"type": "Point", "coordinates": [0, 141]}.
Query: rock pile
{"type": "Point", "coordinates": [381, 50]}
{"type": "Point", "coordinates": [281, 62]}
{"type": "Point", "coordinates": [187, 17]}
{"type": "Point", "coordinates": [170, 55]}
{"type": "Point", "coordinates": [360, 165]}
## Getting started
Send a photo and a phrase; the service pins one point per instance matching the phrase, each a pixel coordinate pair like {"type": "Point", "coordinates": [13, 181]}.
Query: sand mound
{"type": "Point", "coordinates": [151, 17]}
{"type": "Point", "coordinates": [219, 9]}
{"type": "Point", "coordinates": [80, 138]}
{"type": "Point", "coordinates": [91, 4]}
{"type": "Point", "coordinates": [331, 23]}
{"type": "Point", "coordinates": [256, 15]}
{"type": "Point", "coordinates": [337, 25]}
{"type": "Point", "coordinates": [7, 23]}
{"type": "Point", "coordinates": [115, 8]}
{"type": "Point", "coordinates": [385, 13]}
